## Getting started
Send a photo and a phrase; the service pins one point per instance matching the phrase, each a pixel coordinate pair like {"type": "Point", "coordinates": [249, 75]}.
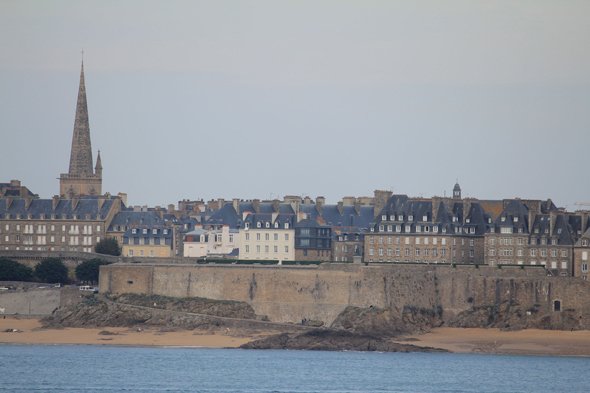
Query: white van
{"type": "Point", "coordinates": [88, 288]}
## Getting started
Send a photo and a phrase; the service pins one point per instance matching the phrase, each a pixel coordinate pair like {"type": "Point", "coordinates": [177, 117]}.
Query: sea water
{"type": "Point", "coordinates": [79, 368]}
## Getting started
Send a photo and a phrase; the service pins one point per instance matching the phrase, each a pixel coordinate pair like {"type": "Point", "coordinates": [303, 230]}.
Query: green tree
{"type": "Point", "coordinates": [51, 270]}
{"type": "Point", "coordinates": [88, 270]}
{"type": "Point", "coordinates": [14, 271]}
{"type": "Point", "coordinates": [108, 246]}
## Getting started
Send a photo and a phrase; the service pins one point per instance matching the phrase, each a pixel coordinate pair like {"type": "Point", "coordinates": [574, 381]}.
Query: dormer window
{"type": "Point", "coordinates": [268, 224]}
{"type": "Point", "coordinates": [259, 224]}
{"type": "Point", "coordinates": [276, 224]}
{"type": "Point", "coordinates": [410, 218]}
{"type": "Point", "coordinates": [286, 225]}
{"type": "Point", "coordinates": [519, 230]}
{"type": "Point", "coordinates": [559, 231]}
{"type": "Point", "coordinates": [546, 230]}
{"type": "Point", "coordinates": [400, 218]}
{"type": "Point", "coordinates": [384, 217]}
{"type": "Point", "coordinates": [339, 238]}
{"type": "Point", "coordinates": [145, 231]}
{"type": "Point", "coordinates": [165, 231]}
{"type": "Point", "coordinates": [536, 230]}
{"type": "Point", "coordinates": [418, 229]}
{"type": "Point", "coordinates": [53, 216]}
{"type": "Point", "coordinates": [74, 216]}
{"type": "Point", "coordinates": [435, 229]}
{"type": "Point", "coordinates": [154, 231]}
{"type": "Point", "coordinates": [444, 230]}
{"type": "Point", "coordinates": [372, 229]}
{"type": "Point", "coordinates": [8, 216]}
{"type": "Point", "coordinates": [455, 219]}
{"type": "Point", "coordinates": [246, 225]}
{"type": "Point", "coordinates": [584, 242]}
{"type": "Point", "coordinates": [18, 216]}
{"type": "Point", "coordinates": [503, 219]}
{"type": "Point", "coordinates": [425, 218]}
{"type": "Point", "coordinates": [99, 216]}
{"type": "Point", "coordinates": [467, 220]}
{"type": "Point", "coordinates": [134, 230]}
{"type": "Point", "coordinates": [88, 217]}
{"type": "Point", "coordinates": [64, 216]}
{"type": "Point", "coordinates": [408, 228]}
{"type": "Point", "coordinates": [492, 230]}
{"type": "Point", "coordinates": [42, 216]}
{"type": "Point", "coordinates": [515, 219]}
{"type": "Point", "coordinates": [489, 220]}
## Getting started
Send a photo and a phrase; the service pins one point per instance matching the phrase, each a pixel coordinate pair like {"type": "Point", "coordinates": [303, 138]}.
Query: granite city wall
{"type": "Point", "coordinates": [291, 293]}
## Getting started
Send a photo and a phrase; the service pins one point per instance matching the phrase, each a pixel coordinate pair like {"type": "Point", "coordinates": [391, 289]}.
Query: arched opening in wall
{"type": "Point", "coordinates": [557, 305]}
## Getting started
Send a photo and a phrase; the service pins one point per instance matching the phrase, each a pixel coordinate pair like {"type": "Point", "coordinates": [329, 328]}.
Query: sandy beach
{"type": "Point", "coordinates": [523, 342]}
{"type": "Point", "coordinates": [29, 331]}
{"type": "Point", "coordinates": [527, 342]}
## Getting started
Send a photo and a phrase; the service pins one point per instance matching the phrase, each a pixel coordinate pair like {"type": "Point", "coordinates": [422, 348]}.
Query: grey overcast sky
{"type": "Point", "coordinates": [260, 99]}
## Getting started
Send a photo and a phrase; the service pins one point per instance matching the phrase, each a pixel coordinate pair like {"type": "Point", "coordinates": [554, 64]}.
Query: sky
{"type": "Point", "coordinates": [262, 99]}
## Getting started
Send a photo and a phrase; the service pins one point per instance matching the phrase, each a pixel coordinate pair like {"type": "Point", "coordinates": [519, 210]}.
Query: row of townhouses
{"type": "Point", "coordinates": [383, 228]}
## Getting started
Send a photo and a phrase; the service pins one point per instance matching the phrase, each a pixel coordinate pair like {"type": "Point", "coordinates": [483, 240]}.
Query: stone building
{"type": "Point", "coordinates": [55, 224]}
{"type": "Point", "coordinates": [418, 230]}
{"type": "Point", "coordinates": [81, 178]}
{"type": "Point", "coordinates": [534, 232]}
{"type": "Point", "coordinates": [208, 243]}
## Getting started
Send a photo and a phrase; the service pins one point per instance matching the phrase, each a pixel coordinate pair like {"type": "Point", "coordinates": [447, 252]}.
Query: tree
{"type": "Point", "coordinates": [108, 246]}
{"type": "Point", "coordinates": [51, 270]}
{"type": "Point", "coordinates": [14, 271]}
{"type": "Point", "coordinates": [88, 270]}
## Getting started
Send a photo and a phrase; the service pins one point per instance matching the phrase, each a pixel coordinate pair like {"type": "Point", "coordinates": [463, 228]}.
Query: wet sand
{"type": "Point", "coordinates": [523, 342]}
{"type": "Point", "coordinates": [30, 332]}
{"type": "Point", "coordinates": [526, 342]}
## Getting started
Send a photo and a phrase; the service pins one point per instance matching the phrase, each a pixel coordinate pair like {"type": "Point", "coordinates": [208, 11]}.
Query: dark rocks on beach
{"type": "Point", "coordinates": [334, 340]}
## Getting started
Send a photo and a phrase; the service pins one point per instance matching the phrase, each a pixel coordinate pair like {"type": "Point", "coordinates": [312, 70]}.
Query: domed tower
{"type": "Point", "coordinates": [457, 191]}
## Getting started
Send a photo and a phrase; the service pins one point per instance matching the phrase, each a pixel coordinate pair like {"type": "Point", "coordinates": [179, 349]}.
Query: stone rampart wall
{"type": "Point", "coordinates": [291, 293]}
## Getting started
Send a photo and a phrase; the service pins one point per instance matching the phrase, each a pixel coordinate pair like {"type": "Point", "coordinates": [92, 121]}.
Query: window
{"type": "Point", "coordinates": [258, 236]}
{"type": "Point", "coordinates": [492, 252]}
{"type": "Point", "coordinates": [286, 236]}
{"type": "Point", "coordinates": [472, 242]}
{"type": "Point", "coordinates": [380, 239]}
{"type": "Point", "coordinates": [564, 253]}
{"type": "Point", "coordinates": [247, 236]}
{"type": "Point", "coordinates": [381, 252]}
{"type": "Point", "coordinates": [506, 230]}
{"type": "Point", "coordinates": [553, 265]}
{"type": "Point", "coordinates": [543, 253]}
{"type": "Point", "coordinates": [259, 224]}
{"type": "Point", "coordinates": [304, 242]}
{"type": "Point", "coordinates": [397, 252]}
{"type": "Point", "coordinates": [267, 236]}
{"type": "Point", "coordinates": [165, 231]}
{"type": "Point", "coordinates": [286, 225]}
{"type": "Point", "coordinates": [151, 253]}
{"type": "Point", "coordinates": [553, 253]}
{"type": "Point", "coordinates": [247, 248]}
{"type": "Point", "coordinates": [417, 240]}
{"type": "Point", "coordinates": [276, 249]}
{"type": "Point", "coordinates": [471, 253]}
{"type": "Point", "coordinates": [268, 224]}
{"type": "Point", "coordinates": [371, 251]}
{"type": "Point", "coordinates": [286, 249]}
{"type": "Point", "coordinates": [417, 252]}
{"type": "Point", "coordinates": [258, 249]}
{"type": "Point", "coordinates": [130, 253]}
{"type": "Point", "coordinates": [231, 238]}
{"type": "Point", "coordinates": [407, 252]}
{"type": "Point", "coordinates": [533, 253]}
{"type": "Point", "coordinates": [372, 239]}
{"type": "Point", "coordinates": [564, 265]}
{"type": "Point", "coordinates": [266, 249]}
{"type": "Point", "coordinates": [408, 228]}
{"type": "Point", "coordinates": [276, 236]}
{"type": "Point", "coordinates": [584, 267]}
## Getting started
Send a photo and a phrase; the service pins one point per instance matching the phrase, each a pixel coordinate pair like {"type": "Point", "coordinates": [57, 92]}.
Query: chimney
{"type": "Point", "coordinates": [121, 195]}
{"type": "Point", "coordinates": [101, 200]}
{"type": "Point", "coordinates": [357, 207]}
{"type": "Point", "coordinates": [75, 200]}
{"type": "Point", "coordinates": [549, 203]}
{"type": "Point", "coordinates": [301, 216]}
{"type": "Point", "coordinates": [8, 202]}
{"type": "Point", "coordinates": [534, 209]}
{"type": "Point", "coordinates": [23, 192]}
{"type": "Point", "coordinates": [236, 204]}
{"type": "Point", "coordinates": [256, 205]}
{"type": "Point", "coordinates": [340, 208]}
{"type": "Point", "coordinates": [28, 201]}
{"type": "Point", "coordinates": [552, 219]}
{"type": "Point", "coordinates": [55, 201]}
{"type": "Point", "coordinates": [435, 206]}
{"type": "Point", "coordinates": [159, 212]}
{"type": "Point", "coordinates": [319, 203]}
{"type": "Point", "coordinates": [275, 206]}
{"type": "Point", "coordinates": [220, 203]}
{"type": "Point", "coordinates": [381, 198]}
{"type": "Point", "coordinates": [466, 207]}
{"type": "Point", "coordinates": [14, 183]}
{"type": "Point", "coordinates": [144, 208]}
{"type": "Point", "coordinates": [307, 201]}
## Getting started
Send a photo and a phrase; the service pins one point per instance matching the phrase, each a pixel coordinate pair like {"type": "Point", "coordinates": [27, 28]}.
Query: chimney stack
{"type": "Point", "coordinates": [340, 208]}
{"type": "Point", "coordinates": [55, 201]}
{"type": "Point", "coordinates": [256, 205]}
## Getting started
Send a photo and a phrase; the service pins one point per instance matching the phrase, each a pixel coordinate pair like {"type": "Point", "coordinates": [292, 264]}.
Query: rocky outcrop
{"type": "Point", "coordinates": [510, 315]}
{"type": "Point", "coordinates": [387, 322]}
{"type": "Point", "coordinates": [334, 340]}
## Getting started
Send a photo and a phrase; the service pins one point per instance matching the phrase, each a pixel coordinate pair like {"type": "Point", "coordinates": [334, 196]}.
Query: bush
{"type": "Point", "coordinates": [88, 270]}
{"type": "Point", "coordinates": [108, 246]}
{"type": "Point", "coordinates": [14, 271]}
{"type": "Point", "coordinates": [51, 270]}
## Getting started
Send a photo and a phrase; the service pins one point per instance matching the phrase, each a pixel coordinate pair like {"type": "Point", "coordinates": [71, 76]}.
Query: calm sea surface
{"type": "Point", "coordinates": [59, 368]}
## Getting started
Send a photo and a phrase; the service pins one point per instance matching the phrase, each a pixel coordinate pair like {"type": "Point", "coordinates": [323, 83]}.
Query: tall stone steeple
{"type": "Point", "coordinates": [81, 157]}
{"type": "Point", "coordinates": [81, 178]}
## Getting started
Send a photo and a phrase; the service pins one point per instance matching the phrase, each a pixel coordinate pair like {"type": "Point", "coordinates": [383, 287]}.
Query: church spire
{"type": "Point", "coordinates": [81, 156]}
{"type": "Point", "coordinates": [98, 167]}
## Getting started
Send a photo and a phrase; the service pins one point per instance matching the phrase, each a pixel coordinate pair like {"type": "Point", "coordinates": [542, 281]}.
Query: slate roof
{"type": "Point", "coordinates": [150, 234]}
{"type": "Point", "coordinates": [349, 217]}
{"type": "Point", "coordinates": [129, 218]}
{"type": "Point", "coordinates": [64, 207]}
